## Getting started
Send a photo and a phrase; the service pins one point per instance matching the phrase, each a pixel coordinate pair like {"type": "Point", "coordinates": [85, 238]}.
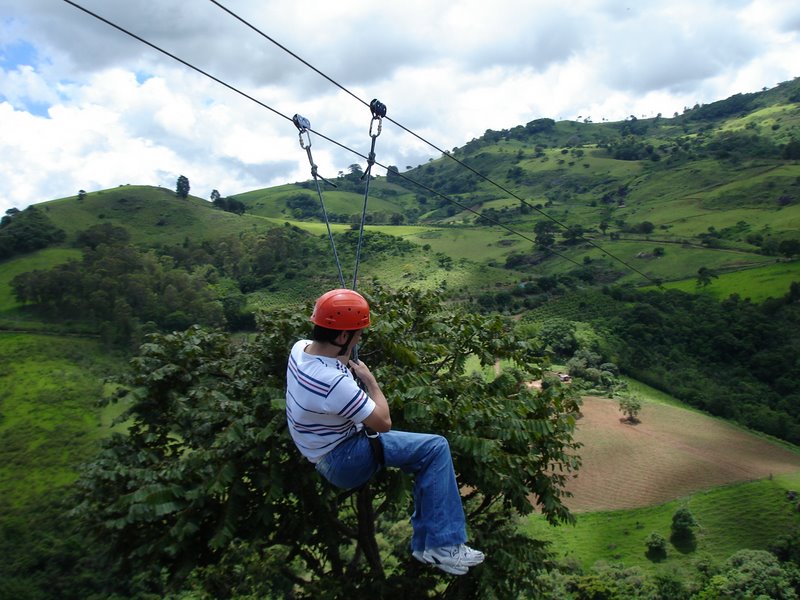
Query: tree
{"type": "Point", "coordinates": [182, 187]}
{"type": "Point", "coordinates": [206, 479]}
{"type": "Point", "coordinates": [215, 195]}
{"type": "Point", "coordinates": [105, 233]}
{"type": "Point", "coordinates": [558, 336]}
{"type": "Point", "coordinates": [355, 172]}
{"type": "Point", "coordinates": [751, 574]}
{"type": "Point", "coordinates": [656, 545]}
{"type": "Point", "coordinates": [26, 231]}
{"type": "Point", "coordinates": [573, 234]}
{"type": "Point", "coordinates": [81, 194]}
{"type": "Point", "coordinates": [630, 407]}
{"type": "Point", "coordinates": [791, 151]}
{"type": "Point", "coordinates": [682, 523]}
{"type": "Point", "coordinates": [545, 234]}
{"type": "Point", "coordinates": [789, 248]}
{"type": "Point", "coordinates": [704, 276]}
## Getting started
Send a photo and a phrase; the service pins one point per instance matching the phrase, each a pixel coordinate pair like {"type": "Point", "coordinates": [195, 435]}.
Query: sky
{"type": "Point", "coordinates": [85, 106]}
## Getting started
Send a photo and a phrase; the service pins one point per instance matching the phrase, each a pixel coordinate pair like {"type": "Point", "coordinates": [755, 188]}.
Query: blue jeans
{"type": "Point", "coordinates": [438, 518]}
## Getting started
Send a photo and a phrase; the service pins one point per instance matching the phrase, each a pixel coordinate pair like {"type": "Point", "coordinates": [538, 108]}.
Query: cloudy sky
{"type": "Point", "coordinates": [84, 106]}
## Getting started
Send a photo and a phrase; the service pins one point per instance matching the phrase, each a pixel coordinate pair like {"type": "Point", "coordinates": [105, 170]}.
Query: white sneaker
{"type": "Point", "coordinates": [451, 559]}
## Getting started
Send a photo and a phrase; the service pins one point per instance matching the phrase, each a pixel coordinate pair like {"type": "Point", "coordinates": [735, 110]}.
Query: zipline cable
{"type": "Point", "coordinates": [429, 143]}
{"type": "Point", "coordinates": [172, 56]}
{"type": "Point", "coordinates": [378, 110]}
{"type": "Point", "coordinates": [323, 136]}
{"type": "Point", "coordinates": [304, 126]}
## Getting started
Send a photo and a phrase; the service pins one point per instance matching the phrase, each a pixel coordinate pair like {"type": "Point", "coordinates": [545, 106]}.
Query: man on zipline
{"type": "Point", "coordinates": [329, 416]}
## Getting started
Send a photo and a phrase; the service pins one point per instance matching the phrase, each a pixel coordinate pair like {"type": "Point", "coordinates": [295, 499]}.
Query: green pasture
{"type": "Point", "coordinates": [769, 281]}
{"type": "Point", "coordinates": [419, 270]}
{"type": "Point", "coordinates": [151, 215]}
{"type": "Point", "coordinates": [749, 515]}
{"type": "Point", "coordinates": [271, 202]}
{"type": "Point", "coordinates": [351, 203]}
{"type": "Point", "coordinates": [681, 220]}
{"type": "Point", "coordinates": [678, 261]}
{"type": "Point", "coordinates": [600, 164]}
{"type": "Point", "coordinates": [784, 116]}
{"type": "Point", "coordinates": [480, 244]}
{"type": "Point", "coordinates": [683, 182]}
{"type": "Point", "coordinates": [49, 420]}
{"type": "Point", "coordinates": [313, 227]}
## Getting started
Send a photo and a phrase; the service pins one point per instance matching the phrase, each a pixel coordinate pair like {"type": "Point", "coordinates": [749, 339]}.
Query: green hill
{"type": "Point", "coordinates": [636, 201]}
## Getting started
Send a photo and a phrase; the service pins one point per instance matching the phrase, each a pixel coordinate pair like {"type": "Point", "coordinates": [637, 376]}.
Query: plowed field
{"type": "Point", "coordinates": [671, 453]}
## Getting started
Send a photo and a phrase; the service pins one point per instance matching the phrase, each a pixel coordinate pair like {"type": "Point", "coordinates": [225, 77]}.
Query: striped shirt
{"type": "Point", "coordinates": [324, 405]}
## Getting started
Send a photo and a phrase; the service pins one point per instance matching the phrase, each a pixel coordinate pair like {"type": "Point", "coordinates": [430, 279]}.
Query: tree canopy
{"type": "Point", "coordinates": [27, 230]}
{"type": "Point", "coordinates": [207, 486]}
{"type": "Point", "coordinates": [182, 186]}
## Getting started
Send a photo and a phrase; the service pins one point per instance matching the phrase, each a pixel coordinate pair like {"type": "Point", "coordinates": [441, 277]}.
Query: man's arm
{"type": "Point", "coordinates": [379, 419]}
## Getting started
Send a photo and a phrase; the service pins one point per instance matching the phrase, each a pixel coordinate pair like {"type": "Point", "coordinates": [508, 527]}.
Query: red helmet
{"type": "Point", "coordinates": [342, 309]}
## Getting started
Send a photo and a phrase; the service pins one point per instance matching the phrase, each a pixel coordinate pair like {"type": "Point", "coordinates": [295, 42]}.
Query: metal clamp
{"type": "Point", "coordinates": [378, 108]}
{"type": "Point", "coordinates": [304, 126]}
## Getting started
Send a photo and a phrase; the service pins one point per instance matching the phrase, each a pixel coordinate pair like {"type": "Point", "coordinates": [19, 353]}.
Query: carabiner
{"type": "Point", "coordinates": [378, 109]}
{"type": "Point", "coordinates": [303, 125]}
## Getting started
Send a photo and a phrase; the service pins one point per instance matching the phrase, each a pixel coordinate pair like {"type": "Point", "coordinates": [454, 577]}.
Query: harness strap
{"type": "Point", "coordinates": [377, 446]}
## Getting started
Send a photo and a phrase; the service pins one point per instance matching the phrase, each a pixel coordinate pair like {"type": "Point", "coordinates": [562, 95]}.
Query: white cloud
{"type": "Point", "coordinates": [90, 107]}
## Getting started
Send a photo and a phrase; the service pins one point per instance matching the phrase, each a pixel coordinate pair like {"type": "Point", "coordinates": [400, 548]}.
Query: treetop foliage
{"type": "Point", "coordinates": [207, 482]}
{"type": "Point", "coordinates": [26, 231]}
{"type": "Point", "coordinates": [182, 187]}
{"type": "Point", "coordinates": [735, 359]}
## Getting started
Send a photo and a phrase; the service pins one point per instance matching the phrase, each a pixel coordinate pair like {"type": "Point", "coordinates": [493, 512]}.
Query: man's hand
{"type": "Point", "coordinates": [362, 373]}
{"type": "Point", "coordinates": [380, 419]}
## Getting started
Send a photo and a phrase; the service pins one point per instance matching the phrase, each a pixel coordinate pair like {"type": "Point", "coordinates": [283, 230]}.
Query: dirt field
{"type": "Point", "coordinates": [669, 454]}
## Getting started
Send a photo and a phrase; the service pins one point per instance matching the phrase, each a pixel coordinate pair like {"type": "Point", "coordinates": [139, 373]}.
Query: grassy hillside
{"type": "Point", "coordinates": [747, 515]}
{"type": "Point", "coordinates": [758, 283]}
{"type": "Point", "coordinates": [152, 215]}
{"type": "Point", "coordinates": [716, 187]}
{"type": "Point", "coordinates": [49, 420]}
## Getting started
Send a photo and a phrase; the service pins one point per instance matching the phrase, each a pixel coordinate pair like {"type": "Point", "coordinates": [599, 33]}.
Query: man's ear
{"type": "Point", "coordinates": [342, 338]}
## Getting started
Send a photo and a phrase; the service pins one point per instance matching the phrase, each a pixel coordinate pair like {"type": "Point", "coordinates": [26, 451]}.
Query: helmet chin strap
{"type": "Point", "coordinates": [343, 347]}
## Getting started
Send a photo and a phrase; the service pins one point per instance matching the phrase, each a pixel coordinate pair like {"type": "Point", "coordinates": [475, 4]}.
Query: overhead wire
{"type": "Point", "coordinates": [425, 141]}
{"type": "Point", "coordinates": [320, 134]}
{"type": "Point", "coordinates": [337, 143]}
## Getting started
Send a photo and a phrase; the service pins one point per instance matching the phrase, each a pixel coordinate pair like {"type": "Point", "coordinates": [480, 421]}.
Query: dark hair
{"type": "Point", "coordinates": [324, 334]}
